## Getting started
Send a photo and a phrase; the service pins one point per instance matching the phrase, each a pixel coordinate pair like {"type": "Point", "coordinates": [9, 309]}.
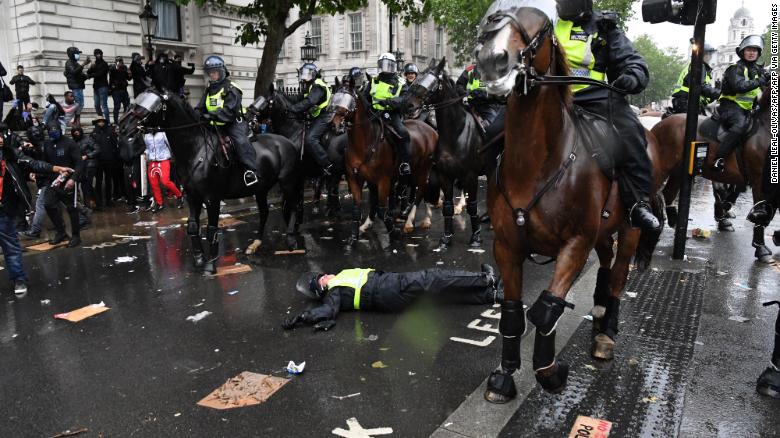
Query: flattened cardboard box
{"type": "Point", "coordinates": [246, 389]}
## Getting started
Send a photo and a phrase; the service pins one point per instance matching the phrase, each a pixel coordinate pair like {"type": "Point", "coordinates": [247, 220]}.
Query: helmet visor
{"type": "Point", "coordinates": [343, 100]}
{"type": "Point", "coordinates": [260, 104]}
{"type": "Point", "coordinates": [307, 74]}
{"type": "Point", "coordinates": [386, 66]}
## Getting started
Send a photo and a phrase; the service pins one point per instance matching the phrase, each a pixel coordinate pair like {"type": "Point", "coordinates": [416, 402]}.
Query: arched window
{"type": "Point", "coordinates": [744, 22]}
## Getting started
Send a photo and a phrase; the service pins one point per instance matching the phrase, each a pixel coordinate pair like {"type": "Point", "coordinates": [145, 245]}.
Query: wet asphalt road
{"type": "Point", "coordinates": [140, 368]}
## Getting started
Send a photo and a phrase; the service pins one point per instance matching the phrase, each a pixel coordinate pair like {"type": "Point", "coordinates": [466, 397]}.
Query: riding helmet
{"type": "Point", "coordinates": [309, 285]}
{"type": "Point", "coordinates": [574, 10]}
{"type": "Point", "coordinates": [215, 63]}
{"type": "Point", "coordinates": [754, 41]}
{"type": "Point", "coordinates": [411, 68]}
{"type": "Point", "coordinates": [308, 72]}
{"type": "Point", "coordinates": [357, 75]}
{"type": "Point", "coordinates": [386, 63]}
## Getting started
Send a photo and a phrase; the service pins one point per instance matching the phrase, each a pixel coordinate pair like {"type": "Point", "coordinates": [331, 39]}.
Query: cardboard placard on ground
{"type": "Point", "coordinates": [82, 313]}
{"type": "Point", "coordinates": [295, 251]}
{"type": "Point", "coordinates": [229, 222]}
{"type": "Point", "coordinates": [45, 246]}
{"type": "Point", "coordinates": [232, 269]}
{"type": "Point", "coordinates": [246, 389]}
{"type": "Point", "coordinates": [590, 427]}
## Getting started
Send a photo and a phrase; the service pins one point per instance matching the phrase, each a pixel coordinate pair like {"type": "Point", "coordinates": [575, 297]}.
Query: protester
{"type": "Point", "coordinates": [158, 151]}
{"type": "Point", "coordinates": [131, 152]}
{"type": "Point", "coordinates": [99, 72]}
{"type": "Point", "coordinates": [67, 112]}
{"type": "Point", "coordinates": [138, 74]}
{"type": "Point", "coordinates": [118, 77]}
{"type": "Point", "coordinates": [89, 152]}
{"type": "Point", "coordinates": [109, 169]}
{"type": "Point", "coordinates": [14, 201]}
{"type": "Point", "coordinates": [74, 74]}
{"type": "Point", "coordinates": [179, 74]}
{"type": "Point", "coordinates": [162, 71]}
{"type": "Point", "coordinates": [368, 289]}
{"type": "Point", "coordinates": [22, 84]}
{"type": "Point", "coordinates": [2, 86]}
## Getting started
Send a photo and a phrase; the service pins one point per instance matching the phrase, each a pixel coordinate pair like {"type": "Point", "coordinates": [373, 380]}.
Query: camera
{"type": "Point", "coordinates": [678, 11]}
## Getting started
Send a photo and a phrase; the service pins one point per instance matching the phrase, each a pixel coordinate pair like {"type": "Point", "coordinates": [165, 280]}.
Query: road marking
{"type": "Point", "coordinates": [357, 431]}
{"type": "Point", "coordinates": [483, 343]}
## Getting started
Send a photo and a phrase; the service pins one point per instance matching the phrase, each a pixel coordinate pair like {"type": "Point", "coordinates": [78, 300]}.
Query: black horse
{"type": "Point", "coordinates": [457, 159]}
{"type": "Point", "coordinates": [209, 174]}
{"type": "Point", "coordinates": [275, 106]}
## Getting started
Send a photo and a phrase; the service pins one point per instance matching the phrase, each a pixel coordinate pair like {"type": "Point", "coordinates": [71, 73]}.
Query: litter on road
{"type": "Point", "coordinates": [198, 316]}
{"type": "Point", "coordinates": [295, 369]}
{"type": "Point", "coordinates": [125, 259]}
{"type": "Point", "coordinates": [342, 397]}
{"type": "Point", "coordinates": [83, 313]}
{"type": "Point", "coordinates": [246, 389]}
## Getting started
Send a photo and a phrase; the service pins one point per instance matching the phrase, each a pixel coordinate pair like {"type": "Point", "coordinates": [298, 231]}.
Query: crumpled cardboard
{"type": "Point", "coordinates": [590, 427]}
{"type": "Point", "coordinates": [246, 389]}
{"type": "Point", "coordinates": [83, 313]}
{"type": "Point", "coordinates": [232, 269]}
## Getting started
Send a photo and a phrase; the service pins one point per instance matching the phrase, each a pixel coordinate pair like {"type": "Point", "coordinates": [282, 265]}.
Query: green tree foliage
{"type": "Point", "coordinates": [461, 19]}
{"type": "Point", "coordinates": [665, 66]}
{"type": "Point", "coordinates": [767, 52]}
{"type": "Point", "coordinates": [267, 24]}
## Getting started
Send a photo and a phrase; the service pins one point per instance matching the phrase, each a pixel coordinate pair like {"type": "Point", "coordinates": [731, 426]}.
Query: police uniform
{"type": "Point", "coordinates": [709, 92]}
{"type": "Point", "coordinates": [469, 84]}
{"type": "Point", "coordinates": [596, 48]}
{"type": "Point", "coordinates": [316, 99]}
{"type": "Point", "coordinates": [386, 97]}
{"type": "Point", "coordinates": [221, 106]}
{"type": "Point", "coordinates": [368, 289]}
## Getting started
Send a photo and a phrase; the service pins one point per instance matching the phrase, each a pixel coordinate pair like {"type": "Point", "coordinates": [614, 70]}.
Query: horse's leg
{"type": "Point", "coordinates": [461, 203]}
{"type": "Point", "coordinates": [447, 211]}
{"type": "Point", "coordinates": [601, 293]}
{"type": "Point", "coordinates": [763, 254]}
{"type": "Point", "coordinates": [318, 182]}
{"type": "Point", "coordinates": [373, 200]}
{"type": "Point", "coordinates": [721, 192]}
{"type": "Point", "coordinates": [295, 194]}
{"type": "Point", "coordinates": [383, 189]}
{"type": "Point", "coordinates": [355, 187]}
{"type": "Point", "coordinates": [418, 192]}
{"type": "Point", "coordinates": [605, 325]}
{"type": "Point", "coordinates": [670, 191]}
{"type": "Point", "coordinates": [213, 236]}
{"type": "Point", "coordinates": [426, 222]}
{"type": "Point", "coordinates": [548, 309]}
{"type": "Point", "coordinates": [409, 225]}
{"type": "Point", "coordinates": [261, 197]}
{"type": "Point", "coordinates": [334, 203]}
{"type": "Point", "coordinates": [195, 203]}
{"type": "Point", "coordinates": [471, 208]}
{"type": "Point", "coordinates": [500, 385]}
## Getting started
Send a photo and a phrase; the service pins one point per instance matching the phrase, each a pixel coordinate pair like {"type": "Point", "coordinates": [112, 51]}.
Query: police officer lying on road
{"type": "Point", "coordinates": [368, 289]}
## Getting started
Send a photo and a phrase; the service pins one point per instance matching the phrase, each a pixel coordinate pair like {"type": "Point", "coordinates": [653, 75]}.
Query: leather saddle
{"type": "Point", "coordinates": [599, 137]}
{"type": "Point", "coordinates": [712, 128]}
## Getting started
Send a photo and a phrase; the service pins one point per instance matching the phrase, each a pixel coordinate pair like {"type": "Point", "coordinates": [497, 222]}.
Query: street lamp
{"type": "Point", "coordinates": [148, 26]}
{"type": "Point", "coordinates": [399, 60]}
{"type": "Point", "coordinates": [308, 50]}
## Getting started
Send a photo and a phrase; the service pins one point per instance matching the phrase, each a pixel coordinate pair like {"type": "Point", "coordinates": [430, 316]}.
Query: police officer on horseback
{"type": "Point", "coordinates": [742, 84]}
{"type": "Point", "coordinates": [709, 90]}
{"type": "Point", "coordinates": [596, 48]}
{"type": "Point", "coordinates": [386, 97]}
{"type": "Point", "coordinates": [470, 85]}
{"type": "Point", "coordinates": [410, 74]}
{"type": "Point", "coordinates": [316, 98]}
{"type": "Point", "coordinates": [356, 73]}
{"type": "Point", "coordinates": [221, 107]}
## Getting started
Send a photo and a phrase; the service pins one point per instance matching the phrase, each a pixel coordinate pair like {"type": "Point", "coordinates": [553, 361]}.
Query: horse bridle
{"type": "Point", "coordinates": [431, 89]}
{"type": "Point", "coordinates": [158, 106]}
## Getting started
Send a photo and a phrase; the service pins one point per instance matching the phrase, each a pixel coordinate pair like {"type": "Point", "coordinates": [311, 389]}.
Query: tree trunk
{"type": "Point", "coordinates": [271, 50]}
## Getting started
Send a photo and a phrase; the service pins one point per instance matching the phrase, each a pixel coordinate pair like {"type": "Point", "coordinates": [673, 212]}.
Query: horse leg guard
{"type": "Point", "coordinates": [500, 386]}
{"type": "Point", "coordinates": [388, 220]}
{"type": "Point", "coordinates": [355, 225]}
{"type": "Point", "coordinates": [476, 226]}
{"type": "Point", "coordinates": [671, 215]}
{"type": "Point", "coordinates": [763, 254]}
{"type": "Point", "coordinates": [212, 237]}
{"type": "Point", "coordinates": [197, 246]}
{"type": "Point", "coordinates": [776, 238]}
{"type": "Point", "coordinates": [448, 211]}
{"type": "Point", "coordinates": [545, 314]}
{"type": "Point", "coordinates": [603, 346]}
{"type": "Point", "coordinates": [600, 295]}
{"type": "Point", "coordinates": [769, 382]}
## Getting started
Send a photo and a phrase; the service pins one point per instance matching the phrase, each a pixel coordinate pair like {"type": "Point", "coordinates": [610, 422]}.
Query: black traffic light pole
{"type": "Point", "coordinates": [691, 126]}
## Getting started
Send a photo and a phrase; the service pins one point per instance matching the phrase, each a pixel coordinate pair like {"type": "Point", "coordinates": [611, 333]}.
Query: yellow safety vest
{"type": "Point", "coordinates": [316, 110]}
{"type": "Point", "coordinates": [680, 85]}
{"type": "Point", "coordinates": [382, 91]}
{"type": "Point", "coordinates": [216, 101]}
{"type": "Point", "coordinates": [744, 100]}
{"type": "Point", "coordinates": [474, 84]}
{"type": "Point", "coordinates": [579, 53]}
{"type": "Point", "coordinates": [354, 278]}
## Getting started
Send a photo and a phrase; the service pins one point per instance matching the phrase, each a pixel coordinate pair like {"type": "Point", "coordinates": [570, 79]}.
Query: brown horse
{"type": "Point", "coordinates": [370, 157]}
{"type": "Point", "coordinates": [548, 197]}
{"type": "Point", "coordinates": [744, 167]}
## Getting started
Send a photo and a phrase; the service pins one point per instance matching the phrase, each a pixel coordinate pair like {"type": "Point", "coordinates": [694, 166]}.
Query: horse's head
{"type": "Point", "coordinates": [343, 104]}
{"type": "Point", "coordinates": [145, 109]}
{"type": "Point", "coordinates": [516, 43]}
{"type": "Point", "coordinates": [429, 84]}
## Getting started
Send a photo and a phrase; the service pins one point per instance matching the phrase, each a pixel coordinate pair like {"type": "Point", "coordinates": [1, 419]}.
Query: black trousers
{"type": "Point", "coordinates": [132, 177]}
{"type": "Point", "coordinates": [108, 181]}
{"type": "Point", "coordinates": [313, 143]}
{"type": "Point", "coordinates": [87, 186]}
{"type": "Point", "coordinates": [53, 198]}
{"type": "Point", "coordinates": [404, 146]}
{"type": "Point", "coordinates": [487, 112]}
{"type": "Point", "coordinates": [734, 120]}
{"type": "Point", "coordinates": [121, 98]}
{"type": "Point", "coordinates": [636, 170]}
{"type": "Point", "coordinates": [394, 291]}
{"type": "Point", "coordinates": [239, 134]}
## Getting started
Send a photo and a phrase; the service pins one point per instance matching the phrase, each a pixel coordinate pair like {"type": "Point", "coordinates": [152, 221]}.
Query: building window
{"type": "Point", "coordinates": [169, 20]}
{"type": "Point", "coordinates": [417, 43]}
{"type": "Point", "coordinates": [742, 36]}
{"type": "Point", "coordinates": [439, 43]}
{"type": "Point", "coordinates": [316, 33]}
{"type": "Point", "coordinates": [744, 22]}
{"type": "Point", "coordinates": [280, 85]}
{"type": "Point", "coordinates": [356, 31]}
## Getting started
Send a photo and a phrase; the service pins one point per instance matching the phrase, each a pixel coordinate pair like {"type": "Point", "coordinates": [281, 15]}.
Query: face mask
{"type": "Point", "coordinates": [77, 56]}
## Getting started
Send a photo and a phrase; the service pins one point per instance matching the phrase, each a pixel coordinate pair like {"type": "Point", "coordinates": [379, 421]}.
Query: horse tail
{"type": "Point", "coordinates": [649, 240]}
{"type": "Point", "coordinates": [433, 189]}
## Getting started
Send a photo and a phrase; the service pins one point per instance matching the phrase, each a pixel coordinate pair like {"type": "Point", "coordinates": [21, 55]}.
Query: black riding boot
{"type": "Point", "coordinates": [769, 382]}
{"type": "Point", "coordinates": [640, 215]}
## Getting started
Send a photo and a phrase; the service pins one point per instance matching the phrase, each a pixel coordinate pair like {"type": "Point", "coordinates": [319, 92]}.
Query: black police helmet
{"type": "Point", "coordinates": [309, 285]}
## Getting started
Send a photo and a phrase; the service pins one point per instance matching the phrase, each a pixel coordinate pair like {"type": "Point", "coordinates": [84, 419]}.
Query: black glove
{"type": "Point", "coordinates": [208, 117]}
{"type": "Point", "coordinates": [324, 325]}
{"type": "Point", "coordinates": [765, 79]}
{"type": "Point", "coordinates": [626, 82]}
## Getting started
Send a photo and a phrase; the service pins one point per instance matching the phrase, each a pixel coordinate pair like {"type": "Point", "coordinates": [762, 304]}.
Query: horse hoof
{"type": "Point", "coordinates": [253, 247]}
{"type": "Point", "coordinates": [556, 382]}
{"type": "Point", "coordinates": [776, 238]}
{"type": "Point", "coordinates": [603, 347]}
{"type": "Point", "coordinates": [199, 261]}
{"type": "Point", "coordinates": [500, 387]}
{"type": "Point", "coordinates": [408, 229]}
{"type": "Point", "coordinates": [475, 242]}
{"type": "Point", "coordinates": [426, 224]}
{"type": "Point", "coordinates": [769, 383]}
{"type": "Point", "coordinates": [763, 254]}
{"type": "Point", "coordinates": [458, 210]}
{"type": "Point", "coordinates": [725, 225]}
{"type": "Point", "coordinates": [209, 269]}
{"type": "Point", "coordinates": [730, 214]}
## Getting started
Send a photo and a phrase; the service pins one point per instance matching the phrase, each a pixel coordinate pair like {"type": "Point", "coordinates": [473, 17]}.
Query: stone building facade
{"type": "Point", "coordinates": [35, 34]}
{"type": "Point", "coordinates": [741, 25]}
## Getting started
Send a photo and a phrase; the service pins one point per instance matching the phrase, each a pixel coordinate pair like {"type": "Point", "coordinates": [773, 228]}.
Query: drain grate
{"type": "Point", "coordinates": [641, 391]}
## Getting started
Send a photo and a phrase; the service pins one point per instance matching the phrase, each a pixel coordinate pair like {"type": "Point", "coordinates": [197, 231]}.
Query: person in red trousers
{"type": "Point", "coordinates": [158, 152]}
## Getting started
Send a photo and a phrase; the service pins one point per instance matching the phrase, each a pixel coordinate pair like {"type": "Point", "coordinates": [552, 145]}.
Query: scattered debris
{"type": "Point", "coordinates": [130, 237]}
{"type": "Point", "coordinates": [631, 294]}
{"type": "Point", "coordinates": [230, 230]}
{"type": "Point", "coordinates": [356, 430]}
{"type": "Point", "coordinates": [125, 259]}
{"type": "Point", "coordinates": [413, 245]}
{"type": "Point", "coordinates": [700, 233]}
{"type": "Point", "coordinates": [83, 313]}
{"type": "Point", "coordinates": [295, 369]}
{"type": "Point", "coordinates": [45, 302]}
{"type": "Point", "coordinates": [721, 273]}
{"type": "Point", "coordinates": [246, 389]}
{"type": "Point", "coordinates": [253, 247]}
{"type": "Point", "coordinates": [326, 237]}
{"type": "Point", "coordinates": [371, 338]}
{"type": "Point", "coordinates": [45, 246]}
{"type": "Point", "coordinates": [178, 414]}
{"type": "Point", "coordinates": [476, 250]}
{"type": "Point", "coordinates": [71, 432]}
{"type": "Point", "coordinates": [145, 224]}
{"type": "Point", "coordinates": [439, 262]}
{"type": "Point", "coordinates": [739, 319]}
{"type": "Point", "coordinates": [743, 286]}
{"type": "Point", "coordinates": [590, 367]}
{"type": "Point", "coordinates": [378, 364]}
{"type": "Point", "coordinates": [384, 348]}
{"type": "Point", "coordinates": [232, 292]}
{"type": "Point", "coordinates": [588, 317]}
{"type": "Point", "coordinates": [198, 316]}
{"type": "Point", "coordinates": [169, 227]}
{"type": "Point", "coordinates": [395, 251]}
{"type": "Point", "coordinates": [651, 399]}
{"type": "Point", "coordinates": [15, 335]}
{"type": "Point", "coordinates": [342, 397]}
{"type": "Point", "coordinates": [232, 269]}
{"type": "Point", "coordinates": [229, 222]}
{"type": "Point", "coordinates": [436, 249]}
{"type": "Point", "coordinates": [412, 373]}
{"type": "Point", "coordinates": [698, 342]}
{"type": "Point", "coordinates": [592, 427]}
{"type": "Point", "coordinates": [632, 361]}
{"type": "Point", "coordinates": [295, 251]}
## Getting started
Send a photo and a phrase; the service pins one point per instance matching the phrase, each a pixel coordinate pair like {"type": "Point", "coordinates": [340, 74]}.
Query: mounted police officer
{"type": "Point", "coordinates": [356, 73]}
{"type": "Point", "coordinates": [316, 98]}
{"type": "Point", "coordinates": [596, 48]}
{"type": "Point", "coordinates": [386, 98]}
{"type": "Point", "coordinates": [709, 90]}
{"type": "Point", "coordinates": [410, 74]}
{"type": "Point", "coordinates": [470, 85]}
{"type": "Point", "coordinates": [221, 107]}
{"type": "Point", "coordinates": [742, 84]}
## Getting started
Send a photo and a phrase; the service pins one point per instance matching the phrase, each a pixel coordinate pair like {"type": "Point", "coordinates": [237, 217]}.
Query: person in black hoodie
{"type": "Point", "coordinates": [138, 74]}
{"type": "Point", "coordinates": [99, 72]}
{"type": "Point", "coordinates": [179, 73]}
{"type": "Point", "coordinates": [118, 76]}
{"type": "Point", "coordinates": [89, 153]}
{"type": "Point", "coordinates": [15, 202]}
{"type": "Point", "coordinates": [74, 74]}
{"type": "Point", "coordinates": [131, 157]}
{"type": "Point", "coordinates": [22, 83]}
{"type": "Point", "coordinates": [163, 73]}
{"type": "Point", "coordinates": [109, 168]}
